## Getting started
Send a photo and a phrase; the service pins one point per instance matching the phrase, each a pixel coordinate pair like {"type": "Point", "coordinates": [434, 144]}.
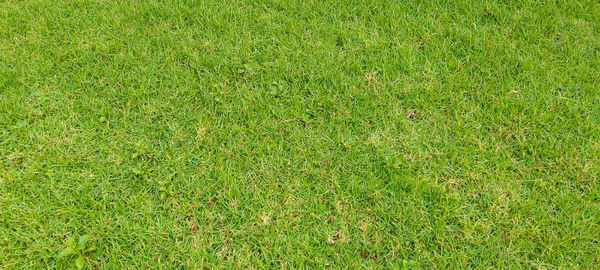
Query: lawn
{"type": "Point", "coordinates": [299, 134]}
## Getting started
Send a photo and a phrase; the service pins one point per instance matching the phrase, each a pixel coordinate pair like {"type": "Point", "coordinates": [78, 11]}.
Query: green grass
{"type": "Point", "coordinates": [300, 134]}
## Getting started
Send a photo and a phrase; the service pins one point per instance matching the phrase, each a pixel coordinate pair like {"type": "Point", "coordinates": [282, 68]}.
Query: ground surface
{"type": "Point", "coordinates": [300, 134]}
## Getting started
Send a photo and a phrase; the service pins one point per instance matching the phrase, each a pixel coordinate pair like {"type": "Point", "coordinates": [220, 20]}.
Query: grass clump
{"type": "Point", "coordinates": [299, 134]}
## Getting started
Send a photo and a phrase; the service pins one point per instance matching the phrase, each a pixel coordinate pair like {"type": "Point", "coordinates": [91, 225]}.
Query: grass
{"type": "Point", "coordinates": [299, 134]}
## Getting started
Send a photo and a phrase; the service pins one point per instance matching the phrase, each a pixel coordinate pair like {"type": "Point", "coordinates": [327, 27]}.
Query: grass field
{"type": "Point", "coordinates": [299, 134]}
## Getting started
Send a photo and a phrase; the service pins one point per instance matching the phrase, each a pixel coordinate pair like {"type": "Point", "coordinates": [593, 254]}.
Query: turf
{"type": "Point", "coordinates": [300, 134]}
